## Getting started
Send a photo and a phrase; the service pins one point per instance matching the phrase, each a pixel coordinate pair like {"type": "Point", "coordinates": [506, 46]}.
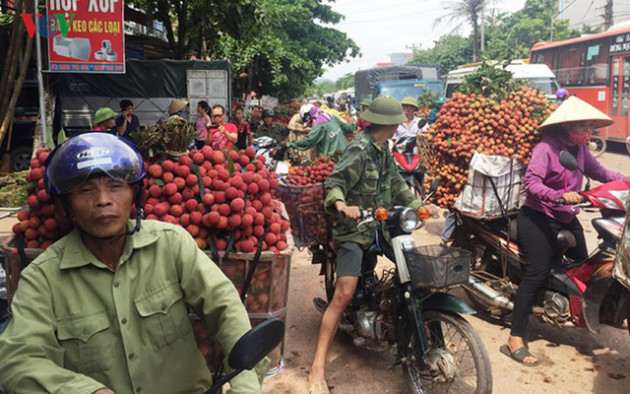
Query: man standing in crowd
{"type": "Point", "coordinates": [269, 128]}
{"type": "Point", "coordinates": [408, 128]}
{"type": "Point", "coordinates": [223, 134]}
{"type": "Point", "coordinates": [127, 122]}
{"type": "Point", "coordinates": [104, 119]}
{"type": "Point", "coordinates": [362, 124]}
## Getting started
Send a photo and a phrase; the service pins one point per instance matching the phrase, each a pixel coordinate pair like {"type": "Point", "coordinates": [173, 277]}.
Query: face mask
{"type": "Point", "coordinates": [579, 138]}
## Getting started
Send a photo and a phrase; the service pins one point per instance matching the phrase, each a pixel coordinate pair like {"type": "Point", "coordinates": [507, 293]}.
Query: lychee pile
{"type": "Point", "coordinates": [311, 174]}
{"type": "Point", "coordinates": [228, 193]}
{"type": "Point", "coordinates": [38, 224]}
{"type": "Point", "coordinates": [473, 123]}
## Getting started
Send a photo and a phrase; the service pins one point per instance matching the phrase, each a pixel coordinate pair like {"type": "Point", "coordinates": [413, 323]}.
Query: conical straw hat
{"type": "Point", "coordinates": [576, 110]}
{"type": "Point", "coordinates": [176, 106]}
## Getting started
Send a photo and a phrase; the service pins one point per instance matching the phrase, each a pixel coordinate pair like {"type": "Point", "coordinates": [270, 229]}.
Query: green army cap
{"type": "Point", "coordinates": [410, 101]}
{"type": "Point", "coordinates": [102, 114]}
{"type": "Point", "coordinates": [384, 110]}
{"type": "Point", "coordinates": [366, 102]}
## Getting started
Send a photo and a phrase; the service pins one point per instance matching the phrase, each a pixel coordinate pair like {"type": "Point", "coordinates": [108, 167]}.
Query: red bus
{"type": "Point", "coordinates": [595, 68]}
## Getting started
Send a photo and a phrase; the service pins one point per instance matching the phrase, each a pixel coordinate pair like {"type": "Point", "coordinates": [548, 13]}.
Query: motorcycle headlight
{"type": "Point", "coordinates": [608, 203]}
{"type": "Point", "coordinates": [408, 220]}
{"type": "Point", "coordinates": [621, 195]}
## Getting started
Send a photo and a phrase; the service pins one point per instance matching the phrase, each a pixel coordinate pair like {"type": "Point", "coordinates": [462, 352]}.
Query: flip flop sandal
{"type": "Point", "coordinates": [519, 355]}
{"type": "Point", "coordinates": [319, 387]}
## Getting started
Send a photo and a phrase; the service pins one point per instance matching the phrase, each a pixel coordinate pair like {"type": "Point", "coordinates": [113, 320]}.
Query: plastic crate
{"type": "Point", "coordinates": [436, 266]}
{"type": "Point", "coordinates": [305, 207]}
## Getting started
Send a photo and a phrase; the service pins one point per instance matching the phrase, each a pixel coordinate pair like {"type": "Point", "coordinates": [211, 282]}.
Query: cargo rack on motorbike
{"type": "Point", "coordinates": [305, 206]}
{"type": "Point", "coordinates": [437, 266]}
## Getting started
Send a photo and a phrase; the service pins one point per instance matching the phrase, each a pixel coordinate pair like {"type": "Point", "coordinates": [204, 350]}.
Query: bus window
{"type": "Point", "coordinates": [626, 85]}
{"type": "Point", "coordinates": [596, 63]}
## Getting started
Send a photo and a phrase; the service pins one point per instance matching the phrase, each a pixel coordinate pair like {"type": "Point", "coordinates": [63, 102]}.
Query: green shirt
{"type": "Point", "coordinates": [327, 137]}
{"type": "Point", "coordinates": [77, 326]}
{"type": "Point", "coordinates": [276, 130]}
{"type": "Point", "coordinates": [366, 176]}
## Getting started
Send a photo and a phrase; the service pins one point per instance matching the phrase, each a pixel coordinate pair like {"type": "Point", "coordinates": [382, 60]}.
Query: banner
{"type": "Point", "coordinates": [85, 36]}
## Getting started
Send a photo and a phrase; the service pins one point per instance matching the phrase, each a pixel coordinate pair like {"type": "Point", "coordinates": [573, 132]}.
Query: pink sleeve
{"type": "Point", "coordinates": [535, 176]}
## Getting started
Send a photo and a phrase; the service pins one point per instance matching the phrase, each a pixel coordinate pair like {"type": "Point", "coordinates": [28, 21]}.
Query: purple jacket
{"type": "Point", "coordinates": [546, 180]}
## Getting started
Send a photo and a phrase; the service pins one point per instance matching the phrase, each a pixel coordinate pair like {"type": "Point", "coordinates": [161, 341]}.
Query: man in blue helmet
{"type": "Point", "coordinates": [105, 309]}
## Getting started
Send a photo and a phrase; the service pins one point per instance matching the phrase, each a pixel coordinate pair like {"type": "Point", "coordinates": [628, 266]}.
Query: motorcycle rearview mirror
{"type": "Point", "coordinates": [434, 185]}
{"type": "Point", "coordinates": [568, 161]}
{"type": "Point", "coordinates": [421, 123]}
{"type": "Point", "coordinates": [251, 348]}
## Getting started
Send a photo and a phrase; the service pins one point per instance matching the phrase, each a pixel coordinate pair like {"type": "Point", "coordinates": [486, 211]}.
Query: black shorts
{"type": "Point", "coordinates": [349, 259]}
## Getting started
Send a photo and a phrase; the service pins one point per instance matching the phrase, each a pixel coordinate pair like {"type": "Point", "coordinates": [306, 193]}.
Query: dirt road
{"type": "Point", "coordinates": [573, 360]}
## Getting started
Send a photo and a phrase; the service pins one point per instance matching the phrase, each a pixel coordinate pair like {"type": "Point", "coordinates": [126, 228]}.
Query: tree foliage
{"type": "Point", "coordinates": [469, 11]}
{"type": "Point", "coordinates": [320, 88]}
{"type": "Point", "coordinates": [278, 46]}
{"type": "Point", "coordinates": [449, 52]}
{"type": "Point", "coordinates": [508, 36]}
{"type": "Point", "coordinates": [345, 82]}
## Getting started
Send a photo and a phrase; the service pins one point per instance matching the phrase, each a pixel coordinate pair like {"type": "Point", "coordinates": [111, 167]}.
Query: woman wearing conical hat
{"type": "Point", "coordinates": [569, 128]}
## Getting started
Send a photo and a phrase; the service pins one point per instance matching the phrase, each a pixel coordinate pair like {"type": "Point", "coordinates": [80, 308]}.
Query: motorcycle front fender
{"type": "Point", "coordinates": [446, 302]}
{"type": "Point", "coordinates": [596, 290]}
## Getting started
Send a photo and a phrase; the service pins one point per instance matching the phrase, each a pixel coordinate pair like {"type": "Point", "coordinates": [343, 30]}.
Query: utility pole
{"type": "Point", "coordinates": [413, 47]}
{"type": "Point", "coordinates": [608, 14]}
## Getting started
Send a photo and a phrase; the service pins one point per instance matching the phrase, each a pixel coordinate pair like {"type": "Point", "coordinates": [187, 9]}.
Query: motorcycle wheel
{"type": "Point", "coordinates": [459, 359]}
{"type": "Point", "coordinates": [597, 146]}
{"type": "Point", "coordinates": [628, 145]}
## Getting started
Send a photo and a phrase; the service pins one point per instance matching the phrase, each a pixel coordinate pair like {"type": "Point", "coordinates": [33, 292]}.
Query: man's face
{"type": "Point", "coordinates": [267, 120]}
{"type": "Point", "coordinates": [409, 110]}
{"type": "Point", "coordinates": [364, 108]}
{"type": "Point", "coordinates": [101, 206]}
{"type": "Point", "coordinates": [218, 116]}
{"type": "Point", "coordinates": [390, 130]}
{"type": "Point", "coordinates": [128, 109]}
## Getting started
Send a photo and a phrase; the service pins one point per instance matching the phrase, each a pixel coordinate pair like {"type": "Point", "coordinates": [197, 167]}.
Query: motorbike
{"type": "Point", "coordinates": [408, 162]}
{"type": "Point", "coordinates": [582, 293]}
{"type": "Point", "coordinates": [273, 152]}
{"type": "Point", "coordinates": [402, 308]}
{"type": "Point", "coordinates": [250, 349]}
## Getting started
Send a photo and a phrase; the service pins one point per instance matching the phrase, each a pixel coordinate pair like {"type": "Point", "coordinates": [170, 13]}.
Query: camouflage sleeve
{"type": "Point", "coordinates": [312, 138]}
{"type": "Point", "coordinates": [344, 177]}
{"type": "Point", "coordinates": [401, 193]}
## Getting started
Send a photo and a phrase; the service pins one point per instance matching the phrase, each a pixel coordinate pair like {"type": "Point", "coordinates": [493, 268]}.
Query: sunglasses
{"type": "Point", "coordinates": [217, 116]}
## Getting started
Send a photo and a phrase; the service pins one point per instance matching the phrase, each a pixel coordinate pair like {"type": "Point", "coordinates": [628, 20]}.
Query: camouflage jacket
{"type": "Point", "coordinates": [366, 176]}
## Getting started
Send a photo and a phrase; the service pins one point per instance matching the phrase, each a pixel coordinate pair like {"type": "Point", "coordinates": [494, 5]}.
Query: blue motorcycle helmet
{"type": "Point", "coordinates": [88, 155]}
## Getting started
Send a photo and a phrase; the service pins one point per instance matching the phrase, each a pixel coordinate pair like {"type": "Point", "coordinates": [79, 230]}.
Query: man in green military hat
{"type": "Point", "coordinates": [365, 177]}
{"type": "Point", "coordinates": [408, 127]}
{"type": "Point", "coordinates": [104, 119]}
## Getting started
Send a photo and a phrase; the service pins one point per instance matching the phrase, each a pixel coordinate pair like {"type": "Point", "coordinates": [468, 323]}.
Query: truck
{"type": "Point", "coordinates": [149, 84]}
{"type": "Point", "coordinates": [535, 75]}
{"type": "Point", "coordinates": [397, 81]}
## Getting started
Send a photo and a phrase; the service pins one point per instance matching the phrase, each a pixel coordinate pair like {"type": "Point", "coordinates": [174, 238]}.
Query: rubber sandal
{"type": "Point", "coordinates": [519, 355]}
{"type": "Point", "coordinates": [319, 387]}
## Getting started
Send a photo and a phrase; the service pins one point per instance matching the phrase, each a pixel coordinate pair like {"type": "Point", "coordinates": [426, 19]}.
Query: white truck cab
{"type": "Point", "coordinates": [536, 76]}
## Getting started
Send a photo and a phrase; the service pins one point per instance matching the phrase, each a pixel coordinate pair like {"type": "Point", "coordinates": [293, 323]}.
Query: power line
{"type": "Point", "coordinates": [401, 16]}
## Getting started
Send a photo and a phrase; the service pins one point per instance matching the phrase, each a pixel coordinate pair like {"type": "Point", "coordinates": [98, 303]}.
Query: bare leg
{"type": "Point", "coordinates": [344, 291]}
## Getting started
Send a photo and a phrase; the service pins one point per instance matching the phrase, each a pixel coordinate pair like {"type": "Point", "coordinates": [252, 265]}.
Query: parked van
{"type": "Point", "coordinates": [536, 76]}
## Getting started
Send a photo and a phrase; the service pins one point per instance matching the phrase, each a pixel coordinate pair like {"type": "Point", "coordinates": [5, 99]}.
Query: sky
{"type": "Point", "coordinates": [381, 27]}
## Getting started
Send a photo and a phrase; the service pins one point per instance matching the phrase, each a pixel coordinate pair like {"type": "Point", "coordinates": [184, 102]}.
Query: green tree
{"type": "Point", "coordinates": [450, 52]}
{"type": "Point", "coordinates": [345, 82]}
{"type": "Point", "coordinates": [469, 11]}
{"type": "Point", "coordinates": [320, 88]}
{"type": "Point", "coordinates": [511, 36]}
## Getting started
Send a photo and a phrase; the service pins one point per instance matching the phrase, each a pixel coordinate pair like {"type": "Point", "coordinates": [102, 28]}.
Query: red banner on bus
{"type": "Point", "coordinates": [86, 36]}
